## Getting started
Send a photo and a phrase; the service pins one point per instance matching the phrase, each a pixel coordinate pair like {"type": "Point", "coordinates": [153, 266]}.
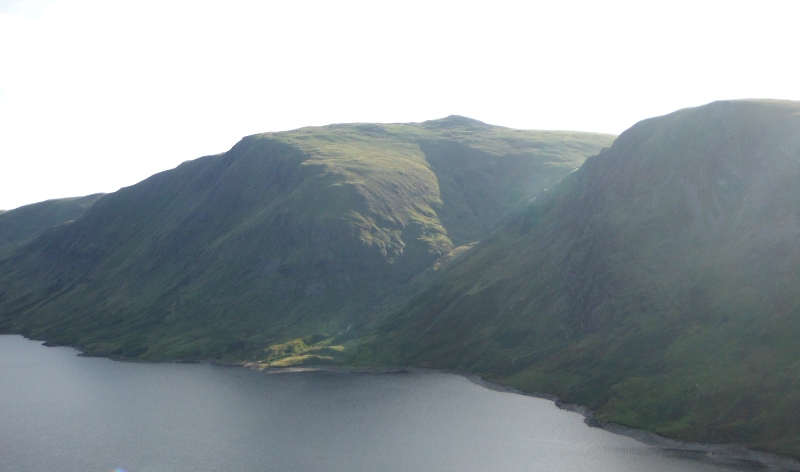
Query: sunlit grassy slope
{"type": "Point", "coordinates": [270, 250]}
{"type": "Point", "coordinates": [659, 284]}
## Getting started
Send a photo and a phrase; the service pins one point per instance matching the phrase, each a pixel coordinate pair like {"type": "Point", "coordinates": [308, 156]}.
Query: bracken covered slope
{"type": "Point", "coordinates": [280, 244]}
{"type": "Point", "coordinates": [659, 284]}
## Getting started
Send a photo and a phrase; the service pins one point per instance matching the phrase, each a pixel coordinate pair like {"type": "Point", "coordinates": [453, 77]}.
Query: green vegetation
{"type": "Point", "coordinates": [313, 349]}
{"type": "Point", "coordinates": [317, 230]}
{"type": "Point", "coordinates": [25, 223]}
{"type": "Point", "coordinates": [657, 285]}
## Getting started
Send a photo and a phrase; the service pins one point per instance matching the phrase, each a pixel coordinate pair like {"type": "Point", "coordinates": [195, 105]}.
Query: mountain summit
{"type": "Point", "coordinates": [285, 236]}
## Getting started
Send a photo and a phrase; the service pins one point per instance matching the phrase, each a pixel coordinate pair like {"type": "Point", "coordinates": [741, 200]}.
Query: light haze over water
{"type": "Point", "coordinates": [59, 411]}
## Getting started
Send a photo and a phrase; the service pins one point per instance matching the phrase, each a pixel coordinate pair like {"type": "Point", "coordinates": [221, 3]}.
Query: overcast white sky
{"type": "Point", "coordinates": [99, 94]}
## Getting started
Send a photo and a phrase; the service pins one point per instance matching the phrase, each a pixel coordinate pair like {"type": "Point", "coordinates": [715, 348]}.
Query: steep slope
{"type": "Point", "coordinates": [659, 284]}
{"type": "Point", "coordinates": [289, 235]}
{"type": "Point", "coordinates": [23, 224]}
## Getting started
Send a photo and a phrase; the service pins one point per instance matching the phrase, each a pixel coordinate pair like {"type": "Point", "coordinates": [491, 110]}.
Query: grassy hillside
{"type": "Point", "coordinates": [659, 284]}
{"type": "Point", "coordinates": [274, 248]}
{"type": "Point", "coordinates": [25, 223]}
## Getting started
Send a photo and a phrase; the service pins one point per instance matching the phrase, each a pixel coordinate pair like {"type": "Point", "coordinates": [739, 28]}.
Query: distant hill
{"type": "Point", "coordinates": [659, 284]}
{"type": "Point", "coordinates": [279, 245]}
{"type": "Point", "coordinates": [25, 223]}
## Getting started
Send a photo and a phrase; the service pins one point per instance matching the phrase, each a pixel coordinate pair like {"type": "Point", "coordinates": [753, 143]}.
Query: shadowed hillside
{"type": "Point", "coordinates": [23, 224]}
{"type": "Point", "coordinates": [278, 245]}
{"type": "Point", "coordinates": [659, 284]}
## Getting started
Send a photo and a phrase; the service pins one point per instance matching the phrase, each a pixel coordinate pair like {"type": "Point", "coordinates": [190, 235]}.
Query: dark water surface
{"type": "Point", "coordinates": [68, 413]}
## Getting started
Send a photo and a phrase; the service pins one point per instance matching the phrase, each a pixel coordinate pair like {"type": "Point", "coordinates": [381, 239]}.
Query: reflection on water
{"type": "Point", "coordinates": [63, 412]}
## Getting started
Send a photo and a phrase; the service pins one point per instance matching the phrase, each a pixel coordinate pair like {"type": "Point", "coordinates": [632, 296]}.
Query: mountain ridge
{"type": "Point", "coordinates": [286, 235]}
{"type": "Point", "coordinates": [675, 244]}
{"type": "Point", "coordinates": [653, 279]}
{"type": "Point", "coordinates": [25, 223]}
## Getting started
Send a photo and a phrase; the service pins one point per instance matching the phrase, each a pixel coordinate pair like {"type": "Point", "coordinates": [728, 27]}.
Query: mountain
{"type": "Point", "coordinates": [25, 223]}
{"type": "Point", "coordinates": [658, 285]}
{"type": "Point", "coordinates": [286, 246]}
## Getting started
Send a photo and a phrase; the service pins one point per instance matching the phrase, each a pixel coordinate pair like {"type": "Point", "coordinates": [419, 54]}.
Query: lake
{"type": "Point", "coordinates": [59, 411]}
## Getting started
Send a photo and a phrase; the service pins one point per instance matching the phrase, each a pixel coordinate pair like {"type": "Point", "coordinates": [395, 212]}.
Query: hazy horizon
{"type": "Point", "coordinates": [96, 96]}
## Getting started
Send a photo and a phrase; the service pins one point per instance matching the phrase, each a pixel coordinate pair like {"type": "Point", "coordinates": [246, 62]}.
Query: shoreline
{"type": "Point", "coordinates": [725, 454]}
